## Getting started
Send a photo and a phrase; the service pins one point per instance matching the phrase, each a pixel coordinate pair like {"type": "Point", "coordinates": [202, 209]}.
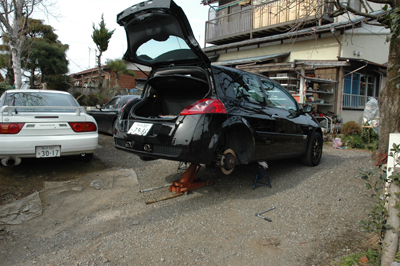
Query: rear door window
{"type": "Point", "coordinates": [249, 89]}
{"type": "Point", "coordinates": [242, 86]}
{"type": "Point", "coordinates": [277, 96]}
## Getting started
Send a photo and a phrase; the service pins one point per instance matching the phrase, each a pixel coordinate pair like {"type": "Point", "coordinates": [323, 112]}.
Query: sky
{"type": "Point", "coordinates": [73, 23]}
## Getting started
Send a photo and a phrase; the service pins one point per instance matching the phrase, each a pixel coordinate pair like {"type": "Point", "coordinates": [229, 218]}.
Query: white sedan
{"type": "Point", "coordinates": [43, 124]}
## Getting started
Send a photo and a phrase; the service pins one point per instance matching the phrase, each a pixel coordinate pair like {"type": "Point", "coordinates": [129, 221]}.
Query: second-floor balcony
{"type": "Point", "coordinates": [236, 22]}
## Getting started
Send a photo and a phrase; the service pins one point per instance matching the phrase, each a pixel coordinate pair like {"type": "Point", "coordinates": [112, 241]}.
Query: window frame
{"type": "Point", "coordinates": [352, 96]}
{"type": "Point", "coordinates": [283, 91]}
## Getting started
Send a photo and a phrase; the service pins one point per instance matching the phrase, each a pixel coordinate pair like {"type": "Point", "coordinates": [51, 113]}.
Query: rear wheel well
{"type": "Point", "coordinates": [240, 140]}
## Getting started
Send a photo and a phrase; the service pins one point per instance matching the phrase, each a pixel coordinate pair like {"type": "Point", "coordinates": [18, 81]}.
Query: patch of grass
{"type": "Point", "coordinates": [353, 259]}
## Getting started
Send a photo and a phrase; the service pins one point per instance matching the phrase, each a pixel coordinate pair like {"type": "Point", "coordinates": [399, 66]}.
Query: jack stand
{"type": "Point", "coordinates": [187, 182]}
{"type": "Point", "coordinates": [262, 178]}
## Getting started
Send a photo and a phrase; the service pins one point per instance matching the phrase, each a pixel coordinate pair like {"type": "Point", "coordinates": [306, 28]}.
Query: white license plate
{"type": "Point", "coordinates": [140, 129]}
{"type": "Point", "coordinates": [48, 151]}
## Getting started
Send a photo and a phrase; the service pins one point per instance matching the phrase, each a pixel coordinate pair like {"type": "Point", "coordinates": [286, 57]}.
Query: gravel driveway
{"type": "Point", "coordinates": [314, 222]}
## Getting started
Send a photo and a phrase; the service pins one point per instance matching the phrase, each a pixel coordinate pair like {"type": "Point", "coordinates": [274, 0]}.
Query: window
{"type": "Point", "coordinates": [248, 88]}
{"type": "Point", "coordinates": [357, 88]}
{"type": "Point", "coordinates": [112, 104]}
{"type": "Point", "coordinates": [240, 86]}
{"type": "Point", "coordinates": [39, 99]}
{"type": "Point", "coordinates": [173, 48]}
{"type": "Point", "coordinates": [277, 96]}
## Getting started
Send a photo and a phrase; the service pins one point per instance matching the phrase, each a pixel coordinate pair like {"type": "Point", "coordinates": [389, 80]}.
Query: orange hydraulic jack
{"type": "Point", "coordinates": [187, 182]}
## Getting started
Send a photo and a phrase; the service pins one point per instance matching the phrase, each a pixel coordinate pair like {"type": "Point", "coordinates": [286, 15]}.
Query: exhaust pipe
{"type": "Point", "coordinates": [10, 161]}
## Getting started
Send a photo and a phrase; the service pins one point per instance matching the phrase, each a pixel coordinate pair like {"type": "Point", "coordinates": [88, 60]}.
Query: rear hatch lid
{"type": "Point", "coordinates": [159, 34]}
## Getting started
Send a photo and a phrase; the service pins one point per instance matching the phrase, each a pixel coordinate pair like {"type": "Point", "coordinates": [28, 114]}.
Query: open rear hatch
{"type": "Point", "coordinates": [169, 94]}
{"type": "Point", "coordinates": [159, 36]}
{"type": "Point", "coordinates": [158, 33]}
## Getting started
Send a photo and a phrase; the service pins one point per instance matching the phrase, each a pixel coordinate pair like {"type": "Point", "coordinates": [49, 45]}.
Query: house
{"type": "Point", "coordinates": [87, 81]}
{"type": "Point", "coordinates": [335, 64]}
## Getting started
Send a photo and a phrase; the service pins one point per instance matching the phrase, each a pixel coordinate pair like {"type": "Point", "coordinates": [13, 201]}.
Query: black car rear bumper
{"type": "Point", "coordinates": [185, 139]}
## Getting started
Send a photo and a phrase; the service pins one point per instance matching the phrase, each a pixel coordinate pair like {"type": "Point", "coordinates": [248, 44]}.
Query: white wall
{"type": "Point", "coordinates": [314, 49]}
{"type": "Point", "coordinates": [345, 17]}
{"type": "Point", "coordinates": [371, 45]}
{"type": "Point", "coordinates": [353, 115]}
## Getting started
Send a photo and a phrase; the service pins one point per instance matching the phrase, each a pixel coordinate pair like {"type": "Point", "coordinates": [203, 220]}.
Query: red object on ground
{"type": "Point", "coordinates": [187, 182]}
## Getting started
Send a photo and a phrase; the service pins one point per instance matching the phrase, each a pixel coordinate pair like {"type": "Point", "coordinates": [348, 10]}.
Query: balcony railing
{"type": "Point", "coordinates": [355, 101]}
{"type": "Point", "coordinates": [262, 20]}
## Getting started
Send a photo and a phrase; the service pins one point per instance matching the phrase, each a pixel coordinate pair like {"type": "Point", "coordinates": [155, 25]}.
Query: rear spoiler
{"type": "Point", "coordinates": [12, 110]}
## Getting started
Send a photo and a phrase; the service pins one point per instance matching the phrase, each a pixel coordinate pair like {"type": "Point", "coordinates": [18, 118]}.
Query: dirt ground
{"type": "Point", "coordinates": [314, 221]}
{"type": "Point", "coordinates": [30, 176]}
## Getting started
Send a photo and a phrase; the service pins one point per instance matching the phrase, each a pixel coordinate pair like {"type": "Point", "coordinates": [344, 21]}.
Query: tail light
{"type": "Point", "coordinates": [205, 106]}
{"type": "Point", "coordinates": [13, 128]}
{"type": "Point", "coordinates": [83, 126]}
{"type": "Point", "coordinates": [123, 107]}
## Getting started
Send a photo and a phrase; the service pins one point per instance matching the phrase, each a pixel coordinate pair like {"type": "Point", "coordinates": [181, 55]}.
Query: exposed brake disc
{"type": "Point", "coordinates": [227, 162]}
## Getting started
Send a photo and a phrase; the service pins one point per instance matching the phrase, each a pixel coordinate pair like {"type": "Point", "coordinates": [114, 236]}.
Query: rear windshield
{"type": "Point", "coordinates": [40, 99]}
{"type": "Point", "coordinates": [170, 50]}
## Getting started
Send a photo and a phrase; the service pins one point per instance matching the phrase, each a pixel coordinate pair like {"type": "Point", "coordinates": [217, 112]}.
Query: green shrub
{"type": "Point", "coordinates": [4, 86]}
{"type": "Point", "coordinates": [351, 128]}
{"type": "Point", "coordinates": [369, 135]}
{"type": "Point", "coordinates": [351, 260]}
{"type": "Point", "coordinates": [355, 141]}
{"type": "Point", "coordinates": [87, 100]}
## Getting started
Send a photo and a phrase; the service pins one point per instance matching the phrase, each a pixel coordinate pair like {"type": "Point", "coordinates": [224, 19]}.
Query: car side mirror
{"type": "Point", "coordinates": [308, 108]}
{"type": "Point", "coordinates": [98, 106]}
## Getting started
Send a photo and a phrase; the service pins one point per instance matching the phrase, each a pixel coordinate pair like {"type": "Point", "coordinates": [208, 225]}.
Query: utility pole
{"type": "Point", "coordinates": [89, 57]}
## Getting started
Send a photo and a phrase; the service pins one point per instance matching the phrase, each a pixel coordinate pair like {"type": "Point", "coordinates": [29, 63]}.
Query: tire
{"type": "Point", "coordinates": [313, 154]}
{"type": "Point", "coordinates": [85, 157]}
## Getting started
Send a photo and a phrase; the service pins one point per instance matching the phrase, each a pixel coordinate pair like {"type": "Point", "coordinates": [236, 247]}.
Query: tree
{"type": "Point", "coordinates": [43, 51]}
{"type": "Point", "coordinates": [389, 109]}
{"type": "Point", "coordinates": [101, 37]}
{"type": "Point", "coordinates": [119, 67]}
{"type": "Point", "coordinates": [389, 96]}
{"type": "Point", "coordinates": [14, 16]}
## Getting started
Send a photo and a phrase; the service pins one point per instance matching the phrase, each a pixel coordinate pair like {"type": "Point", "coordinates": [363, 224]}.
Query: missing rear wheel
{"type": "Point", "coordinates": [228, 161]}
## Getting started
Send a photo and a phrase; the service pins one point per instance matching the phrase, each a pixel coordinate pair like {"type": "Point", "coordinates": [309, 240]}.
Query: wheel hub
{"type": "Point", "coordinates": [228, 161]}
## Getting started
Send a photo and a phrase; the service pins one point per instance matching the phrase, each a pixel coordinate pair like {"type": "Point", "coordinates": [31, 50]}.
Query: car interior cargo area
{"type": "Point", "coordinates": [167, 95]}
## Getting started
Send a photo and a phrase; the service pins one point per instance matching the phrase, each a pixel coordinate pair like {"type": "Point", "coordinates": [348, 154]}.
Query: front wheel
{"type": "Point", "coordinates": [313, 153]}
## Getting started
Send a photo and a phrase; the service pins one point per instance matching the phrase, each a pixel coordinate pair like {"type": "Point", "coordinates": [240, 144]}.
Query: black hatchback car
{"type": "Point", "coordinates": [195, 112]}
{"type": "Point", "coordinates": [106, 116]}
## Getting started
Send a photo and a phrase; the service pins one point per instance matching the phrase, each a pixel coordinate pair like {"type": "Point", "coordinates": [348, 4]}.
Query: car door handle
{"type": "Point", "coordinates": [275, 116]}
